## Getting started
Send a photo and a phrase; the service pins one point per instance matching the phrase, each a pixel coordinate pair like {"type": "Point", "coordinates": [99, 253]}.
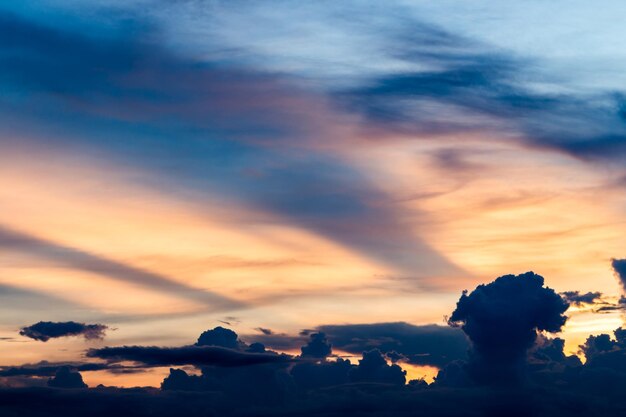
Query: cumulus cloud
{"type": "Point", "coordinates": [66, 378]}
{"type": "Point", "coordinates": [374, 368]}
{"type": "Point", "coordinates": [318, 347]}
{"type": "Point", "coordinates": [219, 336]}
{"type": "Point", "coordinates": [502, 319]}
{"type": "Point", "coordinates": [46, 330]}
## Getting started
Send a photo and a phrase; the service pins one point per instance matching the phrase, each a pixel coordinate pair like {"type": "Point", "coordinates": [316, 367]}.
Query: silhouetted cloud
{"type": "Point", "coordinates": [265, 331]}
{"type": "Point", "coordinates": [310, 375]}
{"type": "Point", "coordinates": [46, 369]}
{"type": "Point", "coordinates": [184, 355]}
{"type": "Point", "coordinates": [318, 347]}
{"type": "Point", "coordinates": [502, 319]}
{"type": "Point", "coordinates": [46, 330]}
{"type": "Point", "coordinates": [423, 345]}
{"type": "Point", "coordinates": [417, 344]}
{"type": "Point", "coordinates": [219, 336]}
{"type": "Point", "coordinates": [578, 298]}
{"type": "Point", "coordinates": [619, 266]}
{"type": "Point", "coordinates": [66, 378]}
{"type": "Point", "coordinates": [179, 380]}
{"type": "Point", "coordinates": [374, 368]}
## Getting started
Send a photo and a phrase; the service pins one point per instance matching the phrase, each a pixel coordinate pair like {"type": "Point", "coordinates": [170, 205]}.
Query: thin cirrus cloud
{"type": "Point", "coordinates": [228, 123]}
{"type": "Point", "coordinates": [81, 260]}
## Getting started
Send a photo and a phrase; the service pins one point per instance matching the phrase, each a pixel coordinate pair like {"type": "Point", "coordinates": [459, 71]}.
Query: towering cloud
{"type": "Point", "coordinates": [502, 319]}
{"type": "Point", "coordinates": [219, 336]}
{"type": "Point", "coordinates": [46, 330]}
{"type": "Point", "coordinates": [318, 347]}
{"type": "Point", "coordinates": [66, 378]}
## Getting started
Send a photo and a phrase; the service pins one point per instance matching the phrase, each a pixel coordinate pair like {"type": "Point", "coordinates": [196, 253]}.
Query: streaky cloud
{"type": "Point", "coordinates": [85, 261]}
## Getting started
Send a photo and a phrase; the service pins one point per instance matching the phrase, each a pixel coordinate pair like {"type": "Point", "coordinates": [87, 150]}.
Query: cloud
{"type": "Point", "coordinates": [578, 298]}
{"type": "Point", "coordinates": [85, 261]}
{"type": "Point", "coordinates": [374, 368]}
{"type": "Point", "coordinates": [422, 345]}
{"type": "Point", "coordinates": [227, 120]}
{"type": "Point", "coordinates": [468, 86]}
{"type": "Point", "coordinates": [619, 266]}
{"type": "Point", "coordinates": [46, 330]}
{"type": "Point", "coordinates": [46, 369]}
{"type": "Point", "coordinates": [318, 347]}
{"type": "Point", "coordinates": [265, 331]}
{"type": "Point", "coordinates": [184, 355]}
{"type": "Point", "coordinates": [219, 336]}
{"type": "Point", "coordinates": [66, 378]}
{"type": "Point", "coordinates": [311, 375]}
{"type": "Point", "coordinates": [502, 319]}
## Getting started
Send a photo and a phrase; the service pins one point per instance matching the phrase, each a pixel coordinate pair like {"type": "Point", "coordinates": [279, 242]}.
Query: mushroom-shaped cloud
{"type": "Point", "coordinates": [502, 319]}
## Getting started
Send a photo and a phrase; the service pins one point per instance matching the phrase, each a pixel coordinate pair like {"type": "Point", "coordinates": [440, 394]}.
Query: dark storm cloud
{"type": "Point", "coordinates": [502, 319]}
{"type": "Point", "coordinates": [46, 330]}
{"type": "Point", "coordinates": [85, 261]}
{"type": "Point", "coordinates": [578, 298]}
{"type": "Point", "coordinates": [184, 355]}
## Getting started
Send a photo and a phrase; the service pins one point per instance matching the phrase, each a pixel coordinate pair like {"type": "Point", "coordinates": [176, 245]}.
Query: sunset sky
{"type": "Point", "coordinates": [170, 166]}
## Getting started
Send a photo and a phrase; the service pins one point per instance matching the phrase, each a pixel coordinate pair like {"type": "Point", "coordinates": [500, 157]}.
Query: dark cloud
{"type": "Point", "coordinates": [219, 336]}
{"type": "Point", "coordinates": [310, 375]}
{"type": "Point", "coordinates": [256, 347]}
{"type": "Point", "coordinates": [374, 368]}
{"type": "Point", "coordinates": [46, 330]}
{"type": "Point", "coordinates": [578, 298]}
{"type": "Point", "coordinates": [619, 266]}
{"type": "Point", "coordinates": [47, 369]}
{"type": "Point", "coordinates": [422, 345]}
{"type": "Point", "coordinates": [318, 347]}
{"type": "Point", "coordinates": [179, 380]}
{"type": "Point", "coordinates": [502, 319]}
{"type": "Point", "coordinates": [184, 355]}
{"type": "Point", "coordinates": [217, 347]}
{"type": "Point", "coordinates": [66, 378]}
{"type": "Point", "coordinates": [265, 331]}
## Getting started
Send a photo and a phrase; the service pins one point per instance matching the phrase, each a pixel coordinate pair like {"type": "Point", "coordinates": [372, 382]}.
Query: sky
{"type": "Point", "coordinates": [171, 166]}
